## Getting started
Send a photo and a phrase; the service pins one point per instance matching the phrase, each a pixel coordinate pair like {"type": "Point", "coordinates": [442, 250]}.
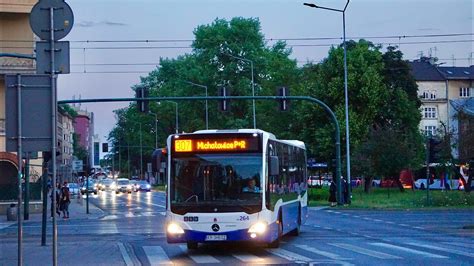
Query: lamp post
{"type": "Point", "coordinates": [253, 85]}
{"type": "Point", "coordinates": [348, 160]}
{"type": "Point", "coordinates": [177, 122]}
{"type": "Point", "coordinates": [205, 87]}
{"type": "Point", "coordinates": [156, 128]}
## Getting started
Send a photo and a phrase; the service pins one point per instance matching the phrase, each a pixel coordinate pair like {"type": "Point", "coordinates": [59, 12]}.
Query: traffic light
{"type": "Point", "coordinates": [142, 92]}
{"type": "Point", "coordinates": [224, 104]}
{"type": "Point", "coordinates": [105, 147]}
{"type": "Point", "coordinates": [158, 157]}
{"type": "Point", "coordinates": [284, 104]}
{"type": "Point", "coordinates": [435, 149]}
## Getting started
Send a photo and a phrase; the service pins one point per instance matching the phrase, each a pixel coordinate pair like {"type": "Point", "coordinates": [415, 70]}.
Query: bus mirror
{"type": "Point", "coordinates": [274, 166]}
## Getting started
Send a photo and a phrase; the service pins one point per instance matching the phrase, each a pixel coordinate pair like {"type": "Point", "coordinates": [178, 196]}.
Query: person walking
{"type": "Point", "coordinates": [65, 200]}
{"type": "Point", "coordinates": [345, 191]}
{"type": "Point", "coordinates": [332, 193]}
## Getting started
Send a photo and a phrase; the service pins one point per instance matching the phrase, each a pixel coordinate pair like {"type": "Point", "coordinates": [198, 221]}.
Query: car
{"type": "Point", "coordinates": [134, 184]}
{"type": "Point", "coordinates": [105, 184]}
{"type": "Point", "coordinates": [122, 185]}
{"type": "Point", "coordinates": [91, 186]}
{"type": "Point", "coordinates": [73, 188]}
{"type": "Point", "coordinates": [143, 185]}
{"type": "Point", "coordinates": [316, 181]}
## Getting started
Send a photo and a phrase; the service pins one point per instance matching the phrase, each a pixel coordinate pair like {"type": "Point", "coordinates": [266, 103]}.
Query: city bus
{"type": "Point", "coordinates": [234, 185]}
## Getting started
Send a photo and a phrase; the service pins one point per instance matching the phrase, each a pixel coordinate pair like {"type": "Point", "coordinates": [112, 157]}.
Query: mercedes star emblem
{"type": "Point", "coordinates": [215, 227]}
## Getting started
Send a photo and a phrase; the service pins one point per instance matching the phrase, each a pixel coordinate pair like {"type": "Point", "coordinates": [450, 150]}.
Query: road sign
{"type": "Point", "coordinates": [77, 165]}
{"type": "Point", "coordinates": [36, 108]}
{"type": "Point", "coordinates": [61, 58]}
{"type": "Point", "coordinates": [40, 19]}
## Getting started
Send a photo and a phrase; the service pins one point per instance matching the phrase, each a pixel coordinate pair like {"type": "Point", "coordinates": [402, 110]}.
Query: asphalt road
{"type": "Point", "coordinates": [130, 232]}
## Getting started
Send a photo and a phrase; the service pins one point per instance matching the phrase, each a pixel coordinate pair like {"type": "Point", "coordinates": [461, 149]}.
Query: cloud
{"type": "Point", "coordinates": [87, 24]}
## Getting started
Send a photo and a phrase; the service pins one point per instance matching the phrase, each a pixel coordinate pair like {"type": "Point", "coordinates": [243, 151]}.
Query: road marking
{"type": "Point", "coordinates": [460, 244]}
{"type": "Point", "coordinates": [356, 216]}
{"type": "Point", "coordinates": [5, 225]}
{"type": "Point", "coordinates": [156, 255]}
{"type": "Point", "coordinates": [417, 227]}
{"type": "Point", "coordinates": [126, 257]}
{"type": "Point", "coordinates": [441, 249]}
{"type": "Point", "coordinates": [288, 255]}
{"type": "Point", "coordinates": [390, 222]}
{"type": "Point", "coordinates": [377, 220]}
{"type": "Point", "coordinates": [109, 217]}
{"type": "Point", "coordinates": [406, 225]}
{"type": "Point", "coordinates": [148, 214]}
{"type": "Point", "coordinates": [158, 205]}
{"type": "Point", "coordinates": [162, 213]}
{"type": "Point", "coordinates": [409, 250]}
{"type": "Point", "coordinates": [365, 218]}
{"type": "Point", "coordinates": [322, 253]}
{"type": "Point", "coordinates": [248, 258]}
{"type": "Point", "coordinates": [130, 215]}
{"type": "Point", "coordinates": [364, 251]}
{"type": "Point", "coordinates": [199, 258]}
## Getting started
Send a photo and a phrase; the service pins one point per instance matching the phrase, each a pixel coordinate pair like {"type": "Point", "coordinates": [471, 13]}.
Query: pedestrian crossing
{"type": "Point", "coordinates": [331, 253]}
{"type": "Point", "coordinates": [123, 215]}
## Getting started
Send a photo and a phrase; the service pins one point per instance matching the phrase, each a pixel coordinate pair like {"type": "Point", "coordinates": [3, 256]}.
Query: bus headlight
{"type": "Point", "coordinates": [174, 229]}
{"type": "Point", "coordinates": [258, 228]}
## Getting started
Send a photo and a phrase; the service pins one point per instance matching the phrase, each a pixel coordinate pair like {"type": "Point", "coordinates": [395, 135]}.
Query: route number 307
{"type": "Point", "coordinates": [244, 218]}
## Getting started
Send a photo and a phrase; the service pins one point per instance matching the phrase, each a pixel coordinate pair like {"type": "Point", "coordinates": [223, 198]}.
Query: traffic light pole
{"type": "Point", "coordinates": [221, 98]}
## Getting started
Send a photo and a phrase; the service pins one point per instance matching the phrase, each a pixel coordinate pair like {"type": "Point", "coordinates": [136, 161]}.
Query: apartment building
{"type": "Point", "coordinates": [447, 97]}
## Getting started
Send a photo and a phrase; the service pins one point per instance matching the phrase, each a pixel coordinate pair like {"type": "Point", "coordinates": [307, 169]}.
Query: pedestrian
{"type": "Point", "coordinates": [65, 200]}
{"type": "Point", "coordinates": [332, 193]}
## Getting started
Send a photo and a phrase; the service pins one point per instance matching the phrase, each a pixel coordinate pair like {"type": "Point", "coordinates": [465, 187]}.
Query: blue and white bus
{"type": "Point", "coordinates": [234, 185]}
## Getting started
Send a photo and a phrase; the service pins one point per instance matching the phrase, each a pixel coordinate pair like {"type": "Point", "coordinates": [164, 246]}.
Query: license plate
{"type": "Point", "coordinates": [216, 237]}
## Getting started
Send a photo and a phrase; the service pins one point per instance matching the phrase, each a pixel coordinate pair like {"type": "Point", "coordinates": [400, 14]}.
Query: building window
{"type": "Point", "coordinates": [429, 112]}
{"type": "Point", "coordinates": [464, 92]}
{"type": "Point", "coordinates": [429, 94]}
{"type": "Point", "coordinates": [430, 130]}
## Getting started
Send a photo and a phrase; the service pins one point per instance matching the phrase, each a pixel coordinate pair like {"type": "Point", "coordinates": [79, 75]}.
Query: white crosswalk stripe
{"type": "Point", "coordinates": [409, 250]}
{"type": "Point", "coordinates": [248, 258]}
{"type": "Point", "coordinates": [288, 255]}
{"type": "Point", "coordinates": [199, 258]}
{"type": "Point", "coordinates": [321, 252]}
{"type": "Point", "coordinates": [444, 249]}
{"type": "Point", "coordinates": [156, 255]}
{"type": "Point", "coordinates": [368, 252]}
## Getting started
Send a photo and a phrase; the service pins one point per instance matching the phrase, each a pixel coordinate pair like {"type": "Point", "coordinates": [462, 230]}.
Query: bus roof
{"type": "Point", "coordinates": [297, 143]}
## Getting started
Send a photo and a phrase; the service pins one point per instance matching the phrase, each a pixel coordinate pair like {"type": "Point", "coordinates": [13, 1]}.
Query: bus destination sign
{"type": "Point", "coordinates": [216, 145]}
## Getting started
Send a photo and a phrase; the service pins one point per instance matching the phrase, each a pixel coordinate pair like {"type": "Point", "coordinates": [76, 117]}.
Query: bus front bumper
{"type": "Point", "coordinates": [231, 236]}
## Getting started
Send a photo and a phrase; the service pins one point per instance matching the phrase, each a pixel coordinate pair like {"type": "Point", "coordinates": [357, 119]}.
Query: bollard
{"type": "Point", "coordinates": [12, 213]}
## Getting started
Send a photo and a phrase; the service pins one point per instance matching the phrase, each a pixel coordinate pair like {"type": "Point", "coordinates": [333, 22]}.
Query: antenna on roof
{"type": "Point", "coordinates": [454, 60]}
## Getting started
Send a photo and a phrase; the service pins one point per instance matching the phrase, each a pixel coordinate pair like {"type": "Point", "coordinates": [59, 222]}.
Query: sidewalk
{"type": "Point", "coordinates": [77, 211]}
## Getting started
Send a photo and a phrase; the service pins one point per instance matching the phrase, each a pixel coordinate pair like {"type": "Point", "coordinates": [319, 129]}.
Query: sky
{"type": "Point", "coordinates": [97, 71]}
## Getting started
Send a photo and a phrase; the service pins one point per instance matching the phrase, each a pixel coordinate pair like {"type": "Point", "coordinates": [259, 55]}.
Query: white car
{"type": "Point", "coordinates": [73, 188]}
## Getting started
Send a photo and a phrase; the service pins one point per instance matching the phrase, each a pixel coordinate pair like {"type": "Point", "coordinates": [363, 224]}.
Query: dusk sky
{"type": "Point", "coordinates": [114, 20]}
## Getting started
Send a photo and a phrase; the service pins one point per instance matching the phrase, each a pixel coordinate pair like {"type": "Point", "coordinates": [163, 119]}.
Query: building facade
{"type": "Point", "coordinates": [84, 130]}
{"type": "Point", "coordinates": [16, 37]}
{"type": "Point", "coordinates": [447, 97]}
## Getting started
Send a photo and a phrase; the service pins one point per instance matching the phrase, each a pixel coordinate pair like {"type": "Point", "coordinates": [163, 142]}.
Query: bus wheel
{"type": "Point", "coordinates": [192, 245]}
{"type": "Point", "coordinates": [276, 242]}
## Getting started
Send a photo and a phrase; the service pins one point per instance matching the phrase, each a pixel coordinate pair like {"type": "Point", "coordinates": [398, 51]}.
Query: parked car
{"type": "Point", "coordinates": [123, 185]}
{"type": "Point", "coordinates": [142, 185]}
{"type": "Point", "coordinates": [73, 188]}
{"type": "Point", "coordinates": [91, 187]}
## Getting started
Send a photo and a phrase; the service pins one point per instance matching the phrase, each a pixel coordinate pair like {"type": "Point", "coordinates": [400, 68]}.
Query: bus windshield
{"type": "Point", "coordinates": [219, 182]}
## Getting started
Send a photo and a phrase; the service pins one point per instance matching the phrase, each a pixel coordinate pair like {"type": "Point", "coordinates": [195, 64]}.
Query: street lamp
{"type": "Point", "coordinates": [205, 87]}
{"type": "Point", "coordinates": [253, 85]}
{"type": "Point", "coordinates": [156, 128]}
{"type": "Point", "coordinates": [343, 11]}
{"type": "Point", "coordinates": [177, 122]}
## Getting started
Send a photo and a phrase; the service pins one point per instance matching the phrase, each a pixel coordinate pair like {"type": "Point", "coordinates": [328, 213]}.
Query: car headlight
{"type": "Point", "coordinates": [129, 187]}
{"type": "Point", "coordinates": [113, 186]}
{"type": "Point", "coordinates": [258, 228]}
{"type": "Point", "coordinates": [174, 229]}
{"type": "Point", "coordinates": [148, 186]}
